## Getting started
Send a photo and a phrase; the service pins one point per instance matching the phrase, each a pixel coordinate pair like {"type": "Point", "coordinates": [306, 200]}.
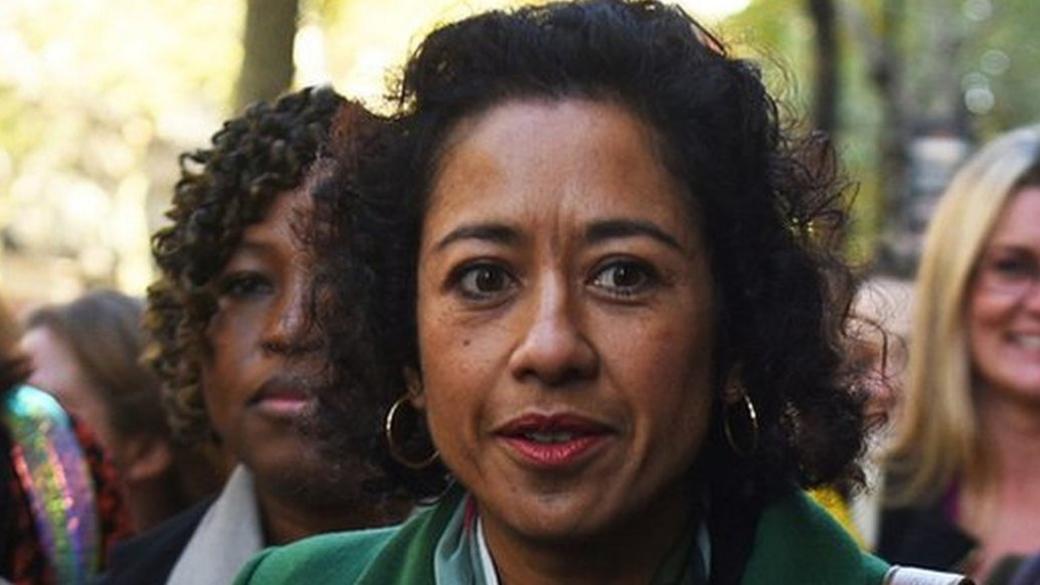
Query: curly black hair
{"type": "Point", "coordinates": [770, 202]}
{"type": "Point", "coordinates": [224, 189]}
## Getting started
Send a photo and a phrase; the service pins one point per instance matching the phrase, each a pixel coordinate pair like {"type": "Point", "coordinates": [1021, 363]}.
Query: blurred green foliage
{"type": "Point", "coordinates": [976, 62]}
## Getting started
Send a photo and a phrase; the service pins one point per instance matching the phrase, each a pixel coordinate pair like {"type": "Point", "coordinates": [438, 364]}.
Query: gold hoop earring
{"type": "Point", "coordinates": [395, 449]}
{"type": "Point", "coordinates": [752, 416]}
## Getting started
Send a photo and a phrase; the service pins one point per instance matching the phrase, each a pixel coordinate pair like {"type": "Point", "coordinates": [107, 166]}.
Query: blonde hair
{"type": "Point", "coordinates": [937, 436]}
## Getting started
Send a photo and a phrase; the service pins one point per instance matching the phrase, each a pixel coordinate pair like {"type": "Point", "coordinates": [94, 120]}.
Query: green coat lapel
{"type": "Point", "coordinates": [407, 559]}
{"type": "Point", "coordinates": [798, 542]}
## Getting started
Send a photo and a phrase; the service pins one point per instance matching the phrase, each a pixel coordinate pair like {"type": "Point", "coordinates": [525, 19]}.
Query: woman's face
{"type": "Point", "coordinates": [259, 374]}
{"type": "Point", "coordinates": [57, 370]}
{"type": "Point", "coordinates": [1004, 309]}
{"type": "Point", "coordinates": [565, 320]}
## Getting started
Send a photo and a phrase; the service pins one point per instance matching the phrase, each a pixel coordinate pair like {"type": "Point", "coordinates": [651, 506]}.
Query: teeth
{"type": "Point", "coordinates": [1029, 341]}
{"type": "Point", "coordinates": [550, 437]}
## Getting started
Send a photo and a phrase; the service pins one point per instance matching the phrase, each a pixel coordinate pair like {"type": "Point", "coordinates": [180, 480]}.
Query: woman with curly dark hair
{"type": "Point", "coordinates": [623, 317]}
{"type": "Point", "coordinates": [233, 345]}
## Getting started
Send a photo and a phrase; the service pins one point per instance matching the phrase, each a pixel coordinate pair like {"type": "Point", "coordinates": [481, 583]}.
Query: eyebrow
{"type": "Point", "coordinates": [609, 229]}
{"type": "Point", "coordinates": [490, 232]}
{"type": "Point", "coordinates": [252, 245]}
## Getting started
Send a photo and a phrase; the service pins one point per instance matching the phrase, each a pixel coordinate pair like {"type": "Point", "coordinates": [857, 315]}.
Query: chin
{"type": "Point", "coordinates": [556, 518]}
{"type": "Point", "coordinates": [286, 460]}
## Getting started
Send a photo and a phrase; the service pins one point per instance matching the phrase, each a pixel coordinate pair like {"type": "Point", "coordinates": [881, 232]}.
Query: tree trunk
{"type": "Point", "coordinates": [267, 67]}
{"type": "Point", "coordinates": [895, 134]}
{"type": "Point", "coordinates": [825, 94]}
{"type": "Point", "coordinates": [881, 46]}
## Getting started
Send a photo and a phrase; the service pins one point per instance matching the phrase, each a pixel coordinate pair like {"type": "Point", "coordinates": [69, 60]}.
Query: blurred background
{"type": "Point", "coordinates": [98, 97]}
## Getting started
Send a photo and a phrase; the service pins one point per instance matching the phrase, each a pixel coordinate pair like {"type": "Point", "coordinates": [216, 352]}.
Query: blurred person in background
{"type": "Point", "coordinates": [880, 318]}
{"type": "Point", "coordinates": [238, 354]}
{"type": "Point", "coordinates": [60, 509]}
{"type": "Point", "coordinates": [87, 353]}
{"type": "Point", "coordinates": [963, 474]}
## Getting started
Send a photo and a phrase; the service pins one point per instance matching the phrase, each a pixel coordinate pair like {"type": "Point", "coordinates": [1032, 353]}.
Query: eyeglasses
{"type": "Point", "coordinates": [1010, 272]}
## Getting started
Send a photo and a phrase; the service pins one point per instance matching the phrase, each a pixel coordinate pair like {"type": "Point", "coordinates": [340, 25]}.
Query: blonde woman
{"type": "Point", "coordinates": [964, 470]}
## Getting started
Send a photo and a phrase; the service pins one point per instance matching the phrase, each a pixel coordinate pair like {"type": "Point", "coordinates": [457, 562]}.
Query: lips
{"type": "Point", "coordinates": [282, 397]}
{"type": "Point", "coordinates": [554, 441]}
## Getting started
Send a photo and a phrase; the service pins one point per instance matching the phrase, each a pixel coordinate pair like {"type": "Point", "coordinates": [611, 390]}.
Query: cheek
{"type": "Point", "coordinates": [687, 355]}
{"type": "Point", "coordinates": [211, 384]}
{"type": "Point", "coordinates": [666, 370]}
{"type": "Point", "coordinates": [461, 365]}
{"type": "Point", "coordinates": [453, 418]}
{"type": "Point", "coordinates": [457, 356]}
{"type": "Point", "coordinates": [986, 316]}
{"type": "Point", "coordinates": [224, 366]}
{"type": "Point", "coordinates": [455, 376]}
{"type": "Point", "coordinates": [678, 395]}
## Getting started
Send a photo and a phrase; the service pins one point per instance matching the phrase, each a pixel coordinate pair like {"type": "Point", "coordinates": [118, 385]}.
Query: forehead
{"type": "Point", "coordinates": [283, 216]}
{"type": "Point", "coordinates": [1019, 221]}
{"type": "Point", "coordinates": [574, 153]}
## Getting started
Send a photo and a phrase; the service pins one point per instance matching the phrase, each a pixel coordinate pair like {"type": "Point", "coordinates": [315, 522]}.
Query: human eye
{"type": "Point", "coordinates": [624, 278]}
{"type": "Point", "coordinates": [482, 281]}
{"type": "Point", "coordinates": [1013, 267]}
{"type": "Point", "coordinates": [244, 284]}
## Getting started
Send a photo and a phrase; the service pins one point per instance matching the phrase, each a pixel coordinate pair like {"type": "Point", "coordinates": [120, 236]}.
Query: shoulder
{"type": "Point", "coordinates": [797, 541]}
{"type": "Point", "coordinates": [328, 558]}
{"type": "Point", "coordinates": [151, 556]}
{"type": "Point", "coordinates": [396, 555]}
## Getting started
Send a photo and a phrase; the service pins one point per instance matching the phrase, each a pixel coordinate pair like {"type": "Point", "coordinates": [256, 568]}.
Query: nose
{"type": "Point", "coordinates": [553, 350]}
{"type": "Point", "coordinates": [290, 329]}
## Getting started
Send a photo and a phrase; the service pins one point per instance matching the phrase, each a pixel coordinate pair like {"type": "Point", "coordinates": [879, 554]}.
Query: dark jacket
{"type": "Point", "coordinates": [923, 536]}
{"type": "Point", "coordinates": [149, 558]}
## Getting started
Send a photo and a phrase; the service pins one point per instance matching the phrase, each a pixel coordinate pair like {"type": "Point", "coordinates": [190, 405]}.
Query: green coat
{"type": "Point", "coordinates": [796, 542]}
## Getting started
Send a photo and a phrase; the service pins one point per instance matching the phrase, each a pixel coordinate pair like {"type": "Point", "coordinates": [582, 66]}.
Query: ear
{"type": "Point", "coordinates": [145, 458]}
{"type": "Point", "coordinates": [414, 385]}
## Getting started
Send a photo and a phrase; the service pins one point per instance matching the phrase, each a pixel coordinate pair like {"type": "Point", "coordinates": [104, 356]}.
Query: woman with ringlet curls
{"type": "Point", "coordinates": [240, 358]}
{"type": "Point", "coordinates": [623, 339]}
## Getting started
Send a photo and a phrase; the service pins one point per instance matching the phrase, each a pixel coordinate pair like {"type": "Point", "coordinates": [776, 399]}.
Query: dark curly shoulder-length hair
{"type": "Point", "coordinates": [769, 202]}
{"type": "Point", "coordinates": [268, 150]}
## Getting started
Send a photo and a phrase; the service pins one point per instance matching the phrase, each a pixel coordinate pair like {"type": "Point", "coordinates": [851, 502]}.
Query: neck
{"type": "Point", "coordinates": [286, 519]}
{"type": "Point", "coordinates": [630, 553]}
{"type": "Point", "coordinates": [1012, 435]}
{"type": "Point", "coordinates": [1001, 507]}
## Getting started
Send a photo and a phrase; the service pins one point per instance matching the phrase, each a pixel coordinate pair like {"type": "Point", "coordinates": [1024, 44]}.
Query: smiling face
{"type": "Point", "coordinates": [259, 372]}
{"type": "Point", "coordinates": [1004, 306]}
{"type": "Point", "coordinates": [565, 321]}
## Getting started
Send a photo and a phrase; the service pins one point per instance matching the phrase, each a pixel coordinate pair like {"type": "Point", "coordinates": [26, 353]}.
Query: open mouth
{"type": "Point", "coordinates": [554, 442]}
{"type": "Point", "coordinates": [547, 438]}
